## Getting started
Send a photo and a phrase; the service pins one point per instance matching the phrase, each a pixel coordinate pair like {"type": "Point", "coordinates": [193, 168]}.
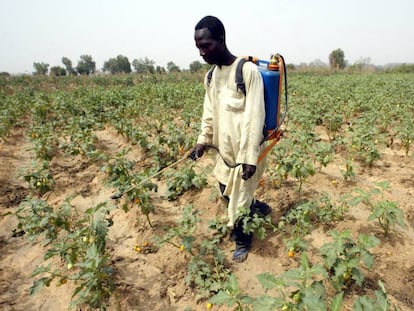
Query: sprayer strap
{"type": "Point", "coordinates": [210, 75]}
{"type": "Point", "coordinates": [273, 142]}
{"type": "Point", "coordinates": [241, 86]}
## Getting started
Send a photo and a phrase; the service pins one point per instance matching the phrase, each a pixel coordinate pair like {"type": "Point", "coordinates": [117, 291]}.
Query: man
{"type": "Point", "coordinates": [232, 122]}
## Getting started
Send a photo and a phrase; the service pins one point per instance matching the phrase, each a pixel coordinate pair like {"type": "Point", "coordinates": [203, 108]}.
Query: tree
{"type": "Point", "coordinates": [160, 70]}
{"type": "Point", "coordinates": [337, 59]}
{"type": "Point", "coordinates": [145, 65]}
{"type": "Point", "coordinates": [68, 64]}
{"type": "Point", "coordinates": [86, 65]}
{"type": "Point", "coordinates": [195, 66]}
{"type": "Point", "coordinates": [171, 67]}
{"type": "Point", "coordinates": [41, 69]}
{"type": "Point", "coordinates": [57, 71]}
{"type": "Point", "coordinates": [120, 64]}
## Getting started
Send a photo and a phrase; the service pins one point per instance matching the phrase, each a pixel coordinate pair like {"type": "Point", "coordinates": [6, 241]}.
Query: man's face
{"type": "Point", "coordinates": [210, 49]}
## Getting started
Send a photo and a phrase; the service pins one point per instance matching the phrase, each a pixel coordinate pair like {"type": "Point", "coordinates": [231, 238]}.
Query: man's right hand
{"type": "Point", "coordinates": [197, 152]}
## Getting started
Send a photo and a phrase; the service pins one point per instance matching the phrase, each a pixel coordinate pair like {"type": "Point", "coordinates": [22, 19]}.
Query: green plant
{"type": "Point", "coordinates": [296, 289]}
{"type": "Point", "coordinates": [299, 221]}
{"type": "Point", "coordinates": [333, 122]}
{"type": "Point", "coordinates": [182, 180]}
{"type": "Point", "coordinates": [405, 132]}
{"type": "Point", "coordinates": [119, 169]}
{"type": "Point", "coordinates": [388, 215]}
{"type": "Point", "coordinates": [386, 212]}
{"type": "Point", "coordinates": [328, 212]}
{"type": "Point", "coordinates": [141, 196]}
{"type": "Point", "coordinates": [364, 141]}
{"type": "Point", "coordinates": [78, 136]}
{"type": "Point", "coordinates": [36, 217]}
{"type": "Point", "coordinates": [292, 158]}
{"type": "Point", "coordinates": [44, 141]}
{"type": "Point", "coordinates": [231, 295]}
{"type": "Point", "coordinates": [39, 177]}
{"type": "Point", "coordinates": [379, 302]}
{"type": "Point", "coordinates": [80, 243]}
{"type": "Point", "coordinates": [95, 279]}
{"type": "Point", "coordinates": [349, 173]}
{"type": "Point", "coordinates": [253, 223]}
{"type": "Point", "coordinates": [182, 234]}
{"type": "Point", "coordinates": [206, 269]}
{"type": "Point", "coordinates": [342, 258]}
{"type": "Point", "coordinates": [299, 167]}
{"type": "Point", "coordinates": [323, 154]}
{"type": "Point", "coordinates": [219, 227]}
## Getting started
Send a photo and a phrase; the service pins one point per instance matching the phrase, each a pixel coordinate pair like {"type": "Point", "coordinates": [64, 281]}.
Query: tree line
{"type": "Point", "coordinates": [120, 64]}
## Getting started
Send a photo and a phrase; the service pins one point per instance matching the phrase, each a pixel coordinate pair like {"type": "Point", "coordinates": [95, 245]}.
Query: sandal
{"type": "Point", "coordinates": [240, 254]}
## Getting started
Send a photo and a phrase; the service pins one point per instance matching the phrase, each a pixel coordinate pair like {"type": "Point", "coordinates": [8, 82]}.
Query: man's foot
{"type": "Point", "coordinates": [260, 208]}
{"type": "Point", "coordinates": [242, 241]}
{"type": "Point", "coordinates": [240, 254]}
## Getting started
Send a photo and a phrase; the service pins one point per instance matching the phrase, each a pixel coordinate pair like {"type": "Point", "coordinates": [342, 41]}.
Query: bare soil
{"type": "Point", "coordinates": [155, 281]}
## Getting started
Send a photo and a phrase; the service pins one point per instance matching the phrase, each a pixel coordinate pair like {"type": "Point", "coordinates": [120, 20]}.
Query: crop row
{"type": "Point", "coordinates": [351, 115]}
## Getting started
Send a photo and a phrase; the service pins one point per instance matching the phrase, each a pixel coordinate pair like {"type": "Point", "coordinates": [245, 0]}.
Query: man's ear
{"type": "Point", "coordinates": [222, 39]}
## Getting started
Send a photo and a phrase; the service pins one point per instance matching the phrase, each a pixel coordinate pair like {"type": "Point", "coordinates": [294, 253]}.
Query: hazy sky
{"type": "Point", "coordinates": [302, 31]}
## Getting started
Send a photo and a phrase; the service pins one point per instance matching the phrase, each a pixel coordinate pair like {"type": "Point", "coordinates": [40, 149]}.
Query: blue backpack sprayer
{"type": "Point", "coordinates": [274, 76]}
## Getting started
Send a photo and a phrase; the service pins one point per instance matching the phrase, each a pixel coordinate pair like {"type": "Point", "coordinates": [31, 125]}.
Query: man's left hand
{"type": "Point", "coordinates": [248, 171]}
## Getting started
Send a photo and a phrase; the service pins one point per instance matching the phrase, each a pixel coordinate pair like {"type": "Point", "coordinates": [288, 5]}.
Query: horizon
{"type": "Point", "coordinates": [303, 32]}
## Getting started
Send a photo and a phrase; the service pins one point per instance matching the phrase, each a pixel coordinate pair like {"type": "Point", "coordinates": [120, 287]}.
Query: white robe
{"type": "Point", "coordinates": [234, 123]}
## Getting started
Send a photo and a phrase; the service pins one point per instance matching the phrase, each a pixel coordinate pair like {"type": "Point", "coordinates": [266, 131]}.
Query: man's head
{"type": "Point", "coordinates": [210, 37]}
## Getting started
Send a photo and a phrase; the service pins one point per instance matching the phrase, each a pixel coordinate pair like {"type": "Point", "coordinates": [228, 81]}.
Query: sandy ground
{"type": "Point", "coordinates": [155, 281]}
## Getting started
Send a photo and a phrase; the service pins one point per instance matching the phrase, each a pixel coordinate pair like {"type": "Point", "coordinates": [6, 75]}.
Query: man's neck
{"type": "Point", "coordinates": [227, 60]}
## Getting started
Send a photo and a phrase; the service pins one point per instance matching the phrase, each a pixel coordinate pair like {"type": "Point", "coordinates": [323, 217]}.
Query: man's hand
{"type": "Point", "coordinates": [197, 152]}
{"type": "Point", "coordinates": [248, 171]}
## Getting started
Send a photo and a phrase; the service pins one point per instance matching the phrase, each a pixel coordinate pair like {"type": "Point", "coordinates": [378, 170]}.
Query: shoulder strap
{"type": "Point", "coordinates": [210, 75]}
{"type": "Point", "coordinates": [241, 86]}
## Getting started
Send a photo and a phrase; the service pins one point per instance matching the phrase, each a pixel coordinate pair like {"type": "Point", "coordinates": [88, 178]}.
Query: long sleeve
{"type": "Point", "coordinates": [206, 133]}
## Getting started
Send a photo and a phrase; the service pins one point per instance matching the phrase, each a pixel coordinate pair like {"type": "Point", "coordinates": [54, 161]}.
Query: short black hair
{"type": "Point", "coordinates": [214, 25]}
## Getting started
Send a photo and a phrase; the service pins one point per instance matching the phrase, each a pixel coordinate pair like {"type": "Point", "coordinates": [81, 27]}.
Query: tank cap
{"type": "Point", "coordinates": [274, 63]}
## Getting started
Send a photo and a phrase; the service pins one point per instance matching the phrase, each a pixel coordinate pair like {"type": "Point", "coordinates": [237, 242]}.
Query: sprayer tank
{"type": "Point", "coordinates": [271, 81]}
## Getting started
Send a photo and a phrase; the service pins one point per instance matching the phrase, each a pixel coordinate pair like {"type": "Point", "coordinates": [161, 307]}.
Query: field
{"type": "Point", "coordinates": [340, 183]}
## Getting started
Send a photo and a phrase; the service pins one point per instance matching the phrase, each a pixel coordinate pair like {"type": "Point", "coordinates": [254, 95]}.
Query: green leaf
{"type": "Point", "coordinates": [223, 298]}
{"type": "Point", "coordinates": [304, 261]}
{"type": "Point", "coordinates": [232, 284]}
{"type": "Point", "coordinates": [268, 281]}
{"type": "Point", "coordinates": [39, 284]}
{"type": "Point", "coordinates": [41, 269]}
{"type": "Point", "coordinates": [368, 259]}
{"type": "Point", "coordinates": [337, 302]}
{"type": "Point", "coordinates": [357, 276]}
{"type": "Point", "coordinates": [188, 242]}
{"type": "Point", "coordinates": [267, 303]}
{"type": "Point", "coordinates": [319, 270]}
{"type": "Point", "coordinates": [363, 303]}
{"type": "Point", "coordinates": [382, 184]}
